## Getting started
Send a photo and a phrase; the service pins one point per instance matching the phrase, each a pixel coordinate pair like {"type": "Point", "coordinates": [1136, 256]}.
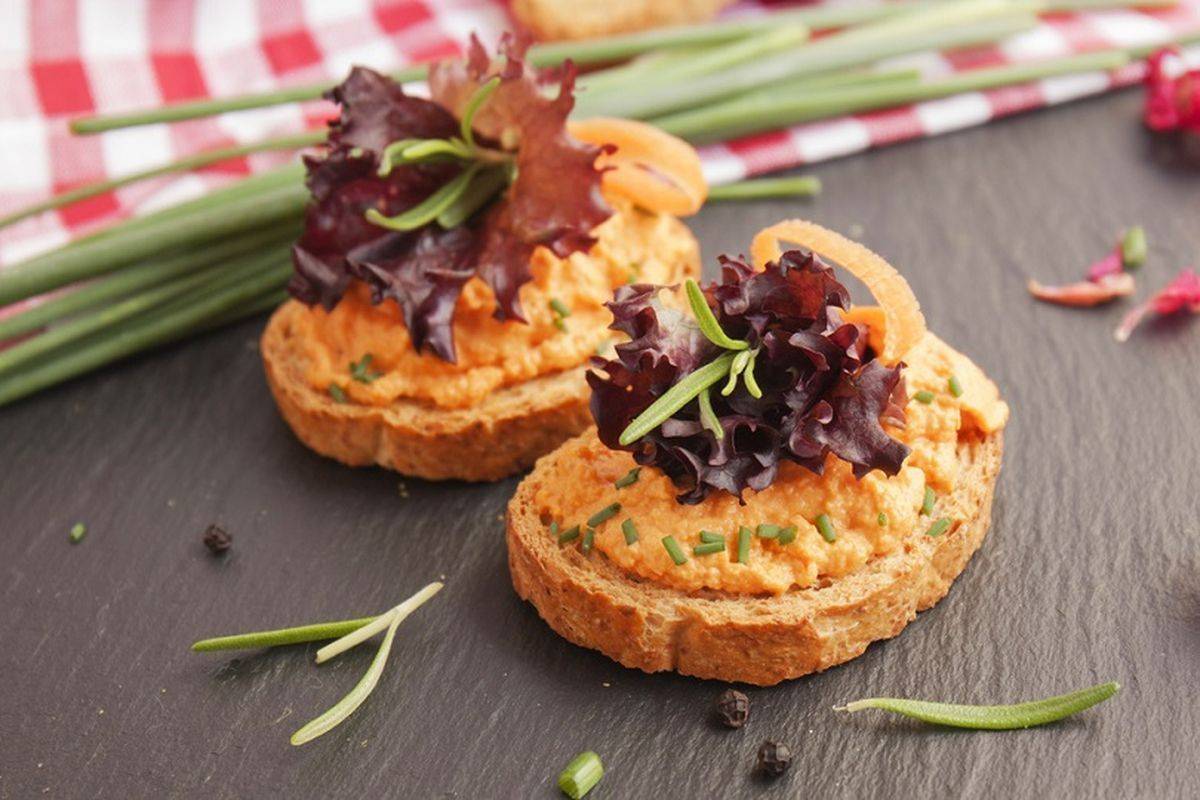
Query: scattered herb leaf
{"type": "Point", "coordinates": [674, 550]}
{"type": "Point", "coordinates": [939, 527]}
{"type": "Point", "coordinates": [630, 530]}
{"type": "Point", "coordinates": [337, 393]}
{"type": "Point", "coordinates": [628, 479]}
{"type": "Point", "coordinates": [825, 528]}
{"type": "Point", "coordinates": [361, 370]}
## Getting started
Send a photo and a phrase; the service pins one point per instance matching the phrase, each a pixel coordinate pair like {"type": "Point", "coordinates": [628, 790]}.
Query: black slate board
{"type": "Point", "coordinates": [1090, 572]}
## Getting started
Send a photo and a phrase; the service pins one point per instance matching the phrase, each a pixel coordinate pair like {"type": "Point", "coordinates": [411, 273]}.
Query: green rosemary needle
{"type": "Point", "coordinates": [628, 479]}
{"type": "Point", "coordinates": [735, 369]}
{"type": "Point", "coordinates": [676, 398]}
{"type": "Point", "coordinates": [630, 530]}
{"type": "Point", "coordinates": [748, 377]}
{"type": "Point", "coordinates": [674, 550]}
{"type": "Point", "coordinates": [283, 636]}
{"type": "Point", "coordinates": [825, 528]}
{"type": "Point", "coordinates": [481, 96]}
{"type": "Point", "coordinates": [994, 718]}
{"type": "Point", "coordinates": [708, 417]}
{"type": "Point", "coordinates": [709, 325]}
{"type": "Point", "coordinates": [603, 515]}
{"type": "Point", "coordinates": [767, 188]}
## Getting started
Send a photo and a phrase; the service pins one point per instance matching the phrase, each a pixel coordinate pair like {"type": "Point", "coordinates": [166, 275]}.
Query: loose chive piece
{"type": "Point", "coordinates": [337, 393]}
{"type": "Point", "coordinates": [584, 772]}
{"type": "Point", "coordinates": [630, 530]}
{"type": "Point", "coordinates": [992, 718]}
{"type": "Point", "coordinates": [588, 539]}
{"type": "Point", "coordinates": [603, 515]}
{"type": "Point", "coordinates": [673, 548]}
{"type": "Point", "coordinates": [559, 307]}
{"type": "Point", "coordinates": [569, 535]}
{"type": "Point", "coordinates": [629, 478]}
{"type": "Point", "coordinates": [927, 503]}
{"type": "Point", "coordinates": [787, 535]}
{"type": "Point", "coordinates": [938, 528]}
{"type": "Point", "coordinates": [882, 519]}
{"type": "Point", "coordinates": [361, 370]}
{"type": "Point", "coordinates": [554, 529]}
{"type": "Point", "coordinates": [768, 531]}
{"type": "Point", "coordinates": [1133, 247]}
{"type": "Point", "coordinates": [78, 531]}
{"type": "Point", "coordinates": [925, 397]}
{"type": "Point", "coordinates": [825, 527]}
{"type": "Point", "coordinates": [743, 547]}
{"type": "Point", "coordinates": [708, 537]}
{"type": "Point", "coordinates": [708, 548]}
{"type": "Point", "coordinates": [954, 386]}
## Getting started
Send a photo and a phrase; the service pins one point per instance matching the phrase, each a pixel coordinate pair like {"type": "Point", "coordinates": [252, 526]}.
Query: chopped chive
{"type": "Point", "coordinates": [927, 503]}
{"type": "Point", "coordinates": [337, 393]}
{"type": "Point", "coordinates": [925, 397]}
{"type": "Point", "coordinates": [361, 370]}
{"type": "Point", "coordinates": [708, 537]}
{"type": "Point", "coordinates": [569, 535]}
{"type": "Point", "coordinates": [1133, 247]}
{"type": "Point", "coordinates": [603, 515]}
{"type": "Point", "coordinates": [768, 531]}
{"type": "Point", "coordinates": [584, 772]}
{"type": "Point", "coordinates": [561, 324]}
{"type": "Point", "coordinates": [559, 307]}
{"type": "Point", "coordinates": [629, 478]}
{"type": "Point", "coordinates": [954, 386]}
{"type": "Point", "coordinates": [554, 528]}
{"type": "Point", "coordinates": [708, 548]}
{"type": "Point", "coordinates": [825, 526]}
{"type": "Point", "coordinates": [78, 531]}
{"type": "Point", "coordinates": [630, 530]}
{"type": "Point", "coordinates": [938, 528]}
{"type": "Point", "coordinates": [743, 547]}
{"type": "Point", "coordinates": [675, 551]}
{"type": "Point", "coordinates": [588, 538]}
{"type": "Point", "coordinates": [787, 535]}
{"type": "Point", "coordinates": [882, 519]}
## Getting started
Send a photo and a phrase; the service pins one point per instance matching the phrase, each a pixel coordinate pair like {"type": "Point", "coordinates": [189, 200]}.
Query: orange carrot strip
{"type": "Point", "coordinates": [904, 324]}
{"type": "Point", "coordinates": [654, 169]}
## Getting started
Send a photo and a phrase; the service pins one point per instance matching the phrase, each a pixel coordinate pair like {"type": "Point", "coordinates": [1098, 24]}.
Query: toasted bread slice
{"type": "Point", "coordinates": [502, 435]}
{"type": "Point", "coordinates": [582, 19]}
{"type": "Point", "coordinates": [752, 639]}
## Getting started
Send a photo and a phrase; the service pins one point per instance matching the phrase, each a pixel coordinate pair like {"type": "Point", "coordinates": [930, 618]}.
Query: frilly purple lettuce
{"type": "Point", "coordinates": [823, 391]}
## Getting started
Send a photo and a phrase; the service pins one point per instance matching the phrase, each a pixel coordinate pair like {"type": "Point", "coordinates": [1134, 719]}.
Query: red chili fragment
{"type": "Point", "coordinates": [1111, 264]}
{"type": "Point", "coordinates": [1172, 94]}
{"type": "Point", "coordinates": [1085, 293]}
{"type": "Point", "coordinates": [1181, 294]}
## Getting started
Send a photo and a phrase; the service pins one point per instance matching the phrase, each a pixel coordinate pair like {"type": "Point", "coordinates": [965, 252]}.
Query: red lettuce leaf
{"type": "Point", "coordinates": [822, 390]}
{"type": "Point", "coordinates": [555, 200]}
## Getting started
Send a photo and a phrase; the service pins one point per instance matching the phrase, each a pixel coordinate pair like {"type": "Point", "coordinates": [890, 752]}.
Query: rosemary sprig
{"type": "Point", "coordinates": [354, 638]}
{"type": "Point", "coordinates": [708, 417]}
{"type": "Point", "coordinates": [676, 398]}
{"type": "Point", "coordinates": [995, 718]}
{"type": "Point", "coordinates": [316, 632]}
{"type": "Point", "coordinates": [767, 188]}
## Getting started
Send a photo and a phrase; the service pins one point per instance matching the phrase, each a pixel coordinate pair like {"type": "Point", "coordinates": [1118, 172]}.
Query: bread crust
{"type": "Point", "coordinates": [499, 437]}
{"type": "Point", "coordinates": [582, 19]}
{"type": "Point", "coordinates": [757, 640]}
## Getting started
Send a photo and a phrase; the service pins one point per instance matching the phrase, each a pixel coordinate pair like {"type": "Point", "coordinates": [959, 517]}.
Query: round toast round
{"type": "Point", "coordinates": [738, 638]}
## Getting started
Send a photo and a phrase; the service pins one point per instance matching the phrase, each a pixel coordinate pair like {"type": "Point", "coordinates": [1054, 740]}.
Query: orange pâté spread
{"type": "Point", "coordinates": [633, 245]}
{"type": "Point", "coordinates": [797, 496]}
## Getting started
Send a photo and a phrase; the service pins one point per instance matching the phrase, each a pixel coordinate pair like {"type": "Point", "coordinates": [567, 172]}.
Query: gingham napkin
{"type": "Point", "coordinates": [64, 58]}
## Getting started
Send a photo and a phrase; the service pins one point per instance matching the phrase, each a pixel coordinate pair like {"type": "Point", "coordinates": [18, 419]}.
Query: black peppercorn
{"type": "Point", "coordinates": [217, 540]}
{"type": "Point", "coordinates": [774, 758]}
{"type": "Point", "coordinates": [733, 708]}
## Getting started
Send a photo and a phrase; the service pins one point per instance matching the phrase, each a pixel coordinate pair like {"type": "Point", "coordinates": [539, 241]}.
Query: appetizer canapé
{"type": "Point", "coordinates": [776, 479]}
{"type": "Point", "coordinates": [456, 258]}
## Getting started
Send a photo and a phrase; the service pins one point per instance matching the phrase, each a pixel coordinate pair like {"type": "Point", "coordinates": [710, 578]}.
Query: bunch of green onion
{"type": "Point", "coordinates": [225, 256]}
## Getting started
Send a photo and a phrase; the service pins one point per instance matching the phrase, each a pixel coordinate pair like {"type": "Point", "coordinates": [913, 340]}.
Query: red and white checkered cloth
{"type": "Point", "coordinates": [64, 58]}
